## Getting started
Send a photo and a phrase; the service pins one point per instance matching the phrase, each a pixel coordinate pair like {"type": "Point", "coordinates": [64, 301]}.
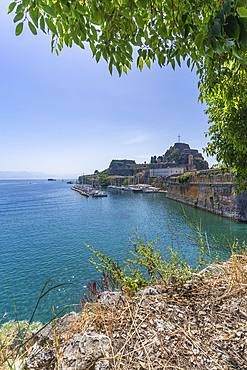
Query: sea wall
{"type": "Point", "coordinates": [211, 192]}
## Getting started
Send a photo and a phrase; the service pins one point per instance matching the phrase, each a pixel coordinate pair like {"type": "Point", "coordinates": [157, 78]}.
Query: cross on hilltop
{"type": "Point", "coordinates": [179, 138]}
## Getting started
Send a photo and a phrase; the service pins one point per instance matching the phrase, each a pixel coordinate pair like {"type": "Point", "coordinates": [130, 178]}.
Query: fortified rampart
{"type": "Point", "coordinates": [210, 191]}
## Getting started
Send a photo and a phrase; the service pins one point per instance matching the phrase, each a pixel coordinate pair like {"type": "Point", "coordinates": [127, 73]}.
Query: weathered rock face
{"type": "Point", "coordinates": [111, 298]}
{"type": "Point", "coordinates": [212, 193]}
{"type": "Point", "coordinates": [83, 351]}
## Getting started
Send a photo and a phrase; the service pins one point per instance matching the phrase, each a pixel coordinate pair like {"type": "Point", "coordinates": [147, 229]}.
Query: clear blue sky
{"type": "Point", "coordinates": [67, 115]}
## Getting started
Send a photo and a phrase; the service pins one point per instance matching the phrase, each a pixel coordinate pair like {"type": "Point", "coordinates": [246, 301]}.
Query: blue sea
{"type": "Point", "coordinates": [45, 227]}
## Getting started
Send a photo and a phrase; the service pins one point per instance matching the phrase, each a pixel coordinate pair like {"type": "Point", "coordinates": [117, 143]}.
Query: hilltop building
{"type": "Point", "coordinates": [177, 159]}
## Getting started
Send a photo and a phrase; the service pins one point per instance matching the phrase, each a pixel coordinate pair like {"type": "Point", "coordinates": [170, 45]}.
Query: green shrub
{"type": "Point", "coordinates": [10, 329]}
{"type": "Point", "coordinates": [145, 266]}
{"type": "Point", "coordinates": [195, 201]}
{"type": "Point", "coordinates": [211, 197]}
{"type": "Point", "coordinates": [183, 179]}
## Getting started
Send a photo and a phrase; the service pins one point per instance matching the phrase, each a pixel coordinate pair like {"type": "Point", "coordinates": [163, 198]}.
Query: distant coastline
{"type": "Point", "coordinates": [23, 175]}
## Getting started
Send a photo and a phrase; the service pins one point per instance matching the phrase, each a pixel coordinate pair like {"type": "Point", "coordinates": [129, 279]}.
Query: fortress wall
{"type": "Point", "coordinates": [211, 193]}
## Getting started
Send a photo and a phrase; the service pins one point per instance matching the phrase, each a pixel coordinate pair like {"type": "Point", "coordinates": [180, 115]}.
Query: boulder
{"type": "Point", "coordinates": [84, 350]}
{"type": "Point", "coordinates": [147, 291]}
{"type": "Point", "coordinates": [111, 298]}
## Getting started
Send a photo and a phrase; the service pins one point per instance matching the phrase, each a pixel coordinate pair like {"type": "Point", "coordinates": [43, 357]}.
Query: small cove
{"type": "Point", "coordinates": [44, 226]}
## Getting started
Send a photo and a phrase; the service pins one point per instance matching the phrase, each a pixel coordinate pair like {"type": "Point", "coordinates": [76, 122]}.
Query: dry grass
{"type": "Point", "coordinates": [201, 325]}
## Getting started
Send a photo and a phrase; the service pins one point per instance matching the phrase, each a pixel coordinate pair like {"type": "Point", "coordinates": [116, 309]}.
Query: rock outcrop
{"type": "Point", "coordinates": [200, 325]}
{"type": "Point", "coordinates": [82, 351]}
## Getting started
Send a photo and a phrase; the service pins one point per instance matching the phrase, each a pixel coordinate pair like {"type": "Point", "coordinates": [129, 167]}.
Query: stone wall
{"type": "Point", "coordinates": [210, 192]}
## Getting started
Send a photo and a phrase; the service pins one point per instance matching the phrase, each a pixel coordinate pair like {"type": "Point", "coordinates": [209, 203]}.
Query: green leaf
{"type": "Point", "coordinates": [186, 30]}
{"type": "Point", "coordinates": [216, 28]}
{"type": "Point", "coordinates": [241, 3]}
{"type": "Point", "coordinates": [60, 29]}
{"type": "Point", "coordinates": [110, 68]}
{"type": "Point", "coordinates": [98, 55]}
{"type": "Point", "coordinates": [93, 48]}
{"type": "Point", "coordinates": [51, 26]}
{"type": "Point", "coordinates": [33, 16]}
{"type": "Point", "coordinates": [25, 3]}
{"type": "Point", "coordinates": [221, 15]}
{"type": "Point", "coordinates": [147, 60]}
{"type": "Point", "coordinates": [178, 59]}
{"type": "Point", "coordinates": [141, 4]}
{"type": "Point", "coordinates": [94, 33]}
{"type": "Point", "coordinates": [19, 8]}
{"type": "Point", "coordinates": [188, 63]}
{"type": "Point", "coordinates": [242, 12]}
{"type": "Point", "coordinates": [127, 13]}
{"type": "Point", "coordinates": [19, 29]}
{"type": "Point", "coordinates": [18, 17]}
{"type": "Point", "coordinates": [42, 23]}
{"type": "Point", "coordinates": [199, 40]}
{"type": "Point", "coordinates": [184, 17]}
{"type": "Point", "coordinates": [140, 63]}
{"type": "Point", "coordinates": [227, 7]}
{"type": "Point", "coordinates": [125, 69]}
{"type": "Point", "coordinates": [240, 58]}
{"type": "Point", "coordinates": [210, 52]}
{"type": "Point", "coordinates": [80, 8]}
{"type": "Point", "coordinates": [66, 39]}
{"type": "Point", "coordinates": [32, 28]}
{"type": "Point", "coordinates": [74, 37]}
{"type": "Point", "coordinates": [139, 21]}
{"type": "Point", "coordinates": [48, 10]}
{"type": "Point", "coordinates": [232, 27]}
{"type": "Point", "coordinates": [243, 34]}
{"type": "Point", "coordinates": [11, 7]}
{"type": "Point", "coordinates": [213, 43]}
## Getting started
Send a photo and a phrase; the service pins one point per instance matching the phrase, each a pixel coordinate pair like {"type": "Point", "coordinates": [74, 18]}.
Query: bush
{"type": "Point", "coordinates": [195, 201]}
{"type": "Point", "coordinates": [183, 179]}
{"type": "Point", "coordinates": [145, 266]}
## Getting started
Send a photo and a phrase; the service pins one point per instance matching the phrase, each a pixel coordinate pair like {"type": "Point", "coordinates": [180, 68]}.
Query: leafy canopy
{"type": "Point", "coordinates": [210, 35]}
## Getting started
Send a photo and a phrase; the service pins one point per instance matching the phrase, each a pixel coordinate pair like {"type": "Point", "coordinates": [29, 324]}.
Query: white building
{"type": "Point", "coordinates": [164, 172]}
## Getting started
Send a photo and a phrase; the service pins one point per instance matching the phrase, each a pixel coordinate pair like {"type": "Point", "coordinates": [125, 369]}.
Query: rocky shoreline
{"type": "Point", "coordinates": [201, 324]}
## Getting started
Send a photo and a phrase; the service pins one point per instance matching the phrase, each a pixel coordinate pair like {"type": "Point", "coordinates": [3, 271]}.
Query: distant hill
{"type": "Point", "coordinates": [23, 175]}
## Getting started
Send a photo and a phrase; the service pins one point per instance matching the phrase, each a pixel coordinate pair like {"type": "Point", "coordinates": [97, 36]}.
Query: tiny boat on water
{"type": "Point", "coordinates": [99, 194]}
{"type": "Point", "coordinates": [150, 190]}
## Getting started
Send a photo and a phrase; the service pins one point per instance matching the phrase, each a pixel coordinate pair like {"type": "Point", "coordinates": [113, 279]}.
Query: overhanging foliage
{"type": "Point", "coordinates": [208, 35]}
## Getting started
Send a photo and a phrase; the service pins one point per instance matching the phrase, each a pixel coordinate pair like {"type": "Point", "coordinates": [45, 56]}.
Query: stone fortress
{"type": "Point", "coordinates": [177, 159]}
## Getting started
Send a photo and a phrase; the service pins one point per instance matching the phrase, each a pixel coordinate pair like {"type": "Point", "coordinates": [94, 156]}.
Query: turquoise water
{"type": "Point", "coordinates": [44, 226]}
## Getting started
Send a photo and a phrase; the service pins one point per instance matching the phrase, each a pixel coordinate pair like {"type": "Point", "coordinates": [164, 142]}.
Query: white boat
{"type": "Point", "coordinates": [99, 193]}
{"type": "Point", "coordinates": [150, 190]}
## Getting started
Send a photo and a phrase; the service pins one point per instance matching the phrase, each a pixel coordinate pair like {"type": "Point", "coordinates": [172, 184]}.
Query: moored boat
{"type": "Point", "coordinates": [99, 193]}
